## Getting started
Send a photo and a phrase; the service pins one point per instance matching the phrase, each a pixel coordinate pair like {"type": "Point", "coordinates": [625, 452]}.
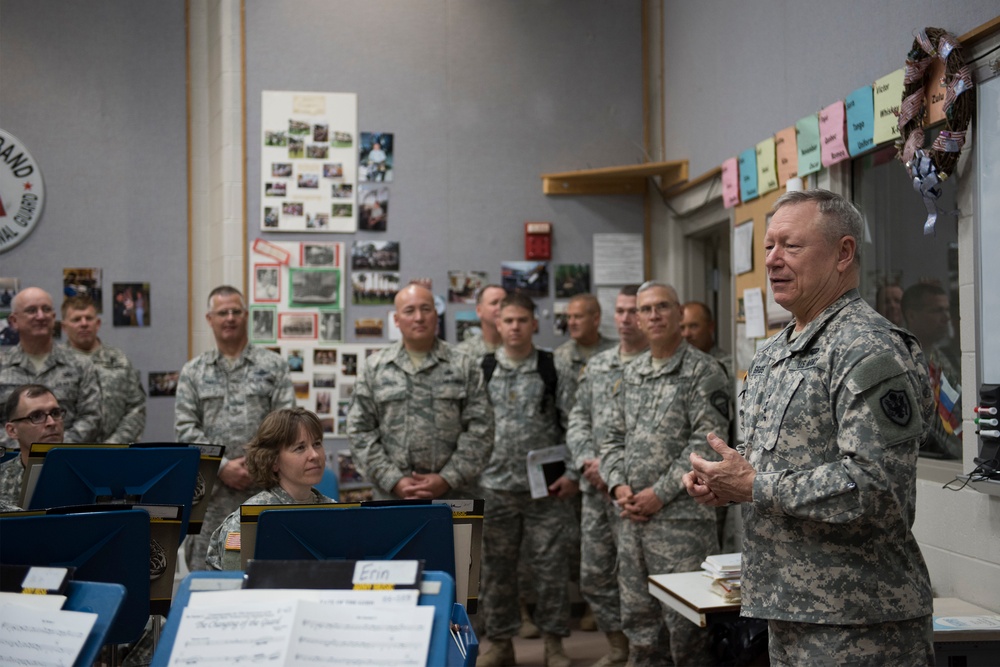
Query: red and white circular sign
{"type": "Point", "coordinates": [21, 192]}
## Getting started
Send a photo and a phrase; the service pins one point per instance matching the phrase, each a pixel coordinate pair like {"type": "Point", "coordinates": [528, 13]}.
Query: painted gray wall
{"type": "Point", "coordinates": [483, 97]}
{"type": "Point", "coordinates": [737, 72]}
{"type": "Point", "coordinates": [95, 89]}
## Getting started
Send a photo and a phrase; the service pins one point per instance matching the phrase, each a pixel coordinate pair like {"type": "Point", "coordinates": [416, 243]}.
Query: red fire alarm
{"type": "Point", "coordinates": [538, 240]}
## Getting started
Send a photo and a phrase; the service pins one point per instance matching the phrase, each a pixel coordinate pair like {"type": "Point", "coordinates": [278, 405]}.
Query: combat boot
{"type": "Point", "coordinates": [501, 654]}
{"type": "Point", "coordinates": [587, 622]}
{"type": "Point", "coordinates": [618, 657]}
{"type": "Point", "coordinates": [554, 654]}
{"type": "Point", "coordinates": [528, 628]}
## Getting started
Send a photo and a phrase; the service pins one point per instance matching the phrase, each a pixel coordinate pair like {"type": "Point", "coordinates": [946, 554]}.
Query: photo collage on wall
{"type": "Point", "coordinates": [297, 311]}
{"type": "Point", "coordinates": [309, 162]}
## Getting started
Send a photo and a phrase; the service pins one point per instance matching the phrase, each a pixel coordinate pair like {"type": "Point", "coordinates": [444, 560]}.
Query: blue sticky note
{"type": "Point", "coordinates": [860, 121]}
{"type": "Point", "coordinates": [748, 174]}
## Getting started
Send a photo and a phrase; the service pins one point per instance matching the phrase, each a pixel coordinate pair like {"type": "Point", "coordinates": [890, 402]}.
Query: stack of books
{"type": "Point", "coordinates": [725, 571]}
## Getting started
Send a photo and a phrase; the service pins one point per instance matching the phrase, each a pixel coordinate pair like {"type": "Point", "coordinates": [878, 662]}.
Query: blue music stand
{"type": "Point", "coordinates": [443, 649]}
{"type": "Point", "coordinates": [154, 476]}
{"type": "Point", "coordinates": [97, 598]}
{"type": "Point", "coordinates": [423, 532]}
{"type": "Point", "coordinates": [110, 547]}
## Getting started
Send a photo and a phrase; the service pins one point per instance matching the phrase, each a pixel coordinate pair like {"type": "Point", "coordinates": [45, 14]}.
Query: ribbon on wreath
{"type": "Point", "coordinates": [927, 182]}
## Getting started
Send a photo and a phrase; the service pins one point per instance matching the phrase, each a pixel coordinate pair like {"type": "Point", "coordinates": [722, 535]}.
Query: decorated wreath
{"type": "Point", "coordinates": [929, 168]}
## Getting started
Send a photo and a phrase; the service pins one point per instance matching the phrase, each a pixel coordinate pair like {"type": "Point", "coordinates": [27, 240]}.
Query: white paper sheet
{"type": "Point", "coordinates": [753, 303]}
{"type": "Point", "coordinates": [618, 259]}
{"type": "Point", "coordinates": [743, 248]}
{"type": "Point", "coordinates": [31, 636]}
{"type": "Point", "coordinates": [536, 475]}
{"type": "Point", "coordinates": [406, 597]}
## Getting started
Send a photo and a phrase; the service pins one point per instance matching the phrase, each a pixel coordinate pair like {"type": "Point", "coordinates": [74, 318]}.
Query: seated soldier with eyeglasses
{"type": "Point", "coordinates": [33, 415]}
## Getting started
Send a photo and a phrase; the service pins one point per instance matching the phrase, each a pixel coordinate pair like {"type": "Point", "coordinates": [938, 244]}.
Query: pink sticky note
{"type": "Point", "coordinates": [730, 183]}
{"type": "Point", "coordinates": [833, 134]}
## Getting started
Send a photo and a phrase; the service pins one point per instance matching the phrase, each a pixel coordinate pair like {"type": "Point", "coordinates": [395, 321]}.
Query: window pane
{"type": "Point", "coordinates": [912, 278]}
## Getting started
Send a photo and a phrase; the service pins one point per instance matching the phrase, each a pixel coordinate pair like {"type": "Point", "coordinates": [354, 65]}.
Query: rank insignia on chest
{"type": "Point", "coordinates": [896, 407]}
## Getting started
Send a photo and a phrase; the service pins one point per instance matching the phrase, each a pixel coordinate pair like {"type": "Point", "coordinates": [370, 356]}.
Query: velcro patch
{"type": "Point", "coordinates": [896, 406]}
{"type": "Point", "coordinates": [233, 541]}
{"type": "Point", "coordinates": [720, 401]}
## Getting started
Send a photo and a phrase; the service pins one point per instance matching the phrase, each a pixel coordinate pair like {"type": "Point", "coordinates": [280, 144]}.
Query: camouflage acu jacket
{"type": "Point", "coordinates": [434, 419]}
{"type": "Point", "coordinates": [833, 421]}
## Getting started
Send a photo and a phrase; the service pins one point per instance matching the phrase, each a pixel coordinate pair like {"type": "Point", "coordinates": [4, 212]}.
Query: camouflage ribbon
{"type": "Point", "coordinates": [927, 182]}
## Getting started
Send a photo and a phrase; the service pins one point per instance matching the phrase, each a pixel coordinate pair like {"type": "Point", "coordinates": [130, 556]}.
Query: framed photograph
{"type": "Point", "coordinates": [324, 401]}
{"type": "Point", "coordinates": [375, 157]}
{"type": "Point", "coordinates": [368, 326]}
{"type": "Point", "coordinates": [463, 286]}
{"type": "Point", "coordinates": [296, 362]}
{"type": "Point", "coordinates": [323, 357]}
{"type": "Point", "coordinates": [325, 380]}
{"type": "Point", "coordinates": [313, 286]}
{"type": "Point", "coordinates": [572, 279]}
{"type": "Point", "coordinates": [331, 327]}
{"type": "Point", "coordinates": [267, 283]}
{"type": "Point", "coordinates": [163, 383]}
{"type": "Point", "coordinates": [130, 305]}
{"type": "Point", "coordinates": [373, 207]}
{"type": "Point", "coordinates": [263, 324]}
{"type": "Point", "coordinates": [528, 278]}
{"type": "Point", "coordinates": [374, 288]}
{"type": "Point", "coordinates": [375, 255]}
{"type": "Point", "coordinates": [348, 364]}
{"type": "Point", "coordinates": [320, 254]}
{"type": "Point", "coordinates": [85, 282]}
{"type": "Point", "coordinates": [297, 325]}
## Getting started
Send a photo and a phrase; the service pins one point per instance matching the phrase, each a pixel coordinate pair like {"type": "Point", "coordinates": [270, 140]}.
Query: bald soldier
{"type": "Point", "coordinates": [420, 422]}
{"type": "Point", "coordinates": [834, 409]}
{"type": "Point", "coordinates": [583, 320]}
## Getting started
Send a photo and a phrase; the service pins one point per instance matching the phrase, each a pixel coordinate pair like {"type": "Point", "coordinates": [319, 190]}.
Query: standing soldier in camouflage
{"type": "Point", "coordinates": [583, 319]}
{"type": "Point", "coordinates": [123, 417]}
{"type": "Point", "coordinates": [529, 416]}
{"type": "Point", "coordinates": [38, 360]}
{"type": "Point", "coordinates": [32, 415]}
{"type": "Point", "coordinates": [222, 397]}
{"type": "Point", "coordinates": [420, 422]}
{"type": "Point", "coordinates": [698, 329]}
{"type": "Point", "coordinates": [834, 410]}
{"type": "Point", "coordinates": [668, 400]}
{"type": "Point", "coordinates": [487, 309]}
{"type": "Point", "coordinates": [600, 520]}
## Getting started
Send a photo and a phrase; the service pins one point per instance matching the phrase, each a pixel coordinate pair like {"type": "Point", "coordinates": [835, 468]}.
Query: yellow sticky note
{"type": "Point", "coordinates": [888, 94]}
{"type": "Point", "coordinates": [767, 176]}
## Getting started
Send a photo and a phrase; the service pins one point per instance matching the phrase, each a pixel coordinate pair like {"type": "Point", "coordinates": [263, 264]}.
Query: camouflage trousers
{"type": "Point", "coordinates": [909, 642]}
{"type": "Point", "coordinates": [599, 529]}
{"type": "Point", "coordinates": [545, 526]}
{"type": "Point", "coordinates": [224, 501]}
{"type": "Point", "coordinates": [661, 546]}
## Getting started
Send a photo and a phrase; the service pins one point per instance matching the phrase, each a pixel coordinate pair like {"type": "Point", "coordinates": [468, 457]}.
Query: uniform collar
{"type": "Point", "coordinates": [644, 362]}
{"type": "Point", "coordinates": [805, 339]}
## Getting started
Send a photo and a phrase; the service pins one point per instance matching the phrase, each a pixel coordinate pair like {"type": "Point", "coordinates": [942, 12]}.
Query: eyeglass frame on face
{"type": "Point", "coordinates": [660, 308]}
{"type": "Point", "coordinates": [38, 417]}
{"type": "Point", "coordinates": [234, 312]}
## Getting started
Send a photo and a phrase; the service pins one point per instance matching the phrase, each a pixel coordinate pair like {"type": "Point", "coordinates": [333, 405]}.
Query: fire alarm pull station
{"type": "Point", "coordinates": [538, 240]}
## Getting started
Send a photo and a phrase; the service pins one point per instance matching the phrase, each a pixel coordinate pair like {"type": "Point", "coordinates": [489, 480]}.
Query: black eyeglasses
{"type": "Point", "coordinates": [39, 416]}
{"type": "Point", "coordinates": [659, 308]}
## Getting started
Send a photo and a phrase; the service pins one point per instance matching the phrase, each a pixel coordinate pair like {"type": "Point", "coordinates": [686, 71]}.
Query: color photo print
{"type": "Point", "coordinates": [84, 282]}
{"type": "Point", "coordinates": [130, 306]}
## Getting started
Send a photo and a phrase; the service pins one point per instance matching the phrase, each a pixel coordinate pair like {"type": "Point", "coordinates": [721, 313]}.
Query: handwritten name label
{"type": "Point", "coordinates": [385, 573]}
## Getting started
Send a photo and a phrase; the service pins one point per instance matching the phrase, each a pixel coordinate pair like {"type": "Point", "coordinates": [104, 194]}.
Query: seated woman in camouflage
{"type": "Point", "coordinates": [286, 457]}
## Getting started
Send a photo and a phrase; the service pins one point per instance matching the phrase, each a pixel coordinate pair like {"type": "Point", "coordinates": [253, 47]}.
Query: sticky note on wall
{"type": "Point", "coordinates": [748, 174]}
{"type": "Point", "coordinates": [833, 146]}
{"type": "Point", "coordinates": [785, 155]}
{"type": "Point", "coordinates": [860, 121]}
{"type": "Point", "coordinates": [888, 93]}
{"type": "Point", "coordinates": [730, 183]}
{"type": "Point", "coordinates": [767, 177]}
{"type": "Point", "coordinates": [807, 144]}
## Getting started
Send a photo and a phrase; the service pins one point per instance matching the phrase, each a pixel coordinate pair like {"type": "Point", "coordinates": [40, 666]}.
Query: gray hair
{"type": "Point", "coordinates": [650, 284]}
{"type": "Point", "coordinates": [225, 290]}
{"type": "Point", "coordinates": [840, 216]}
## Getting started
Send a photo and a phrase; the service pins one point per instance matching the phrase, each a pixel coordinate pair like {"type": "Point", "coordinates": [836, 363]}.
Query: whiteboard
{"type": "Point", "coordinates": [989, 229]}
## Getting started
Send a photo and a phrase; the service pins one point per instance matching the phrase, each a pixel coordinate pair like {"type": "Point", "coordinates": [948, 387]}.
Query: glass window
{"type": "Point", "coordinates": [912, 278]}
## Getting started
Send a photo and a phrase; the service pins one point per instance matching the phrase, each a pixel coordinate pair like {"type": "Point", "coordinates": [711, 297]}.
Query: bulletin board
{"type": "Point", "coordinates": [755, 211]}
